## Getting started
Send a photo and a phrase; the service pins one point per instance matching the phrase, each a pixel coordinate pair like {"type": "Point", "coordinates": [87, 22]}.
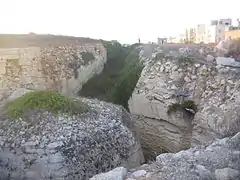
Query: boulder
{"type": "Point", "coordinates": [210, 58]}
{"type": "Point", "coordinates": [119, 173]}
{"type": "Point", "coordinates": [165, 82]}
{"type": "Point", "coordinates": [44, 145]}
{"type": "Point", "coordinates": [219, 160]}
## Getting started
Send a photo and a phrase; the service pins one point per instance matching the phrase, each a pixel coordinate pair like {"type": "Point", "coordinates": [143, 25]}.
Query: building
{"type": "Point", "coordinates": [232, 33]}
{"type": "Point", "coordinates": [162, 41]}
{"type": "Point", "coordinates": [201, 34]}
{"type": "Point", "coordinates": [216, 30]}
{"type": "Point", "coordinates": [190, 35]}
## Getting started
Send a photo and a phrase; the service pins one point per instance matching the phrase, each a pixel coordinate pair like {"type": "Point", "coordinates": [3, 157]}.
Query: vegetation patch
{"type": "Point", "coordinates": [184, 60]}
{"type": "Point", "coordinates": [120, 74]}
{"type": "Point", "coordinates": [129, 76]}
{"type": "Point", "coordinates": [44, 100]}
{"type": "Point", "coordinates": [187, 106]}
{"type": "Point", "coordinates": [87, 57]}
{"type": "Point", "coordinates": [159, 56]}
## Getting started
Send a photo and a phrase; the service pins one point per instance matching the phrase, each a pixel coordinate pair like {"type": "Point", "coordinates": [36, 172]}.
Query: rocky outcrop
{"type": "Point", "coordinates": [166, 81]}
{"type": "Point", "coordinates": [57, 63]}
{"type": "Point", "coordinates": [47, 146]}
{"type": "Point", "coordinates": [217, 161]}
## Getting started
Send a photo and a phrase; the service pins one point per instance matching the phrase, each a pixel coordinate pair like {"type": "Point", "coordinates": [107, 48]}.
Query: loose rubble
{"type": "Point", "coordinates": [45, 146]}
{"type": "Point", "coordinates": [217, 161]}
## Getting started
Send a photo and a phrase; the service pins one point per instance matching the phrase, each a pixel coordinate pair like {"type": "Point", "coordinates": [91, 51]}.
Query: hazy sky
{"type": "Point", "coordinates": [123, 20]}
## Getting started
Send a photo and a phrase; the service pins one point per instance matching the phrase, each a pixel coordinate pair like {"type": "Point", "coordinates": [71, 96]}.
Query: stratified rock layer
{"type": "Point", "coordinates": [43, 62]}
{"type": "Point", "coordinates": [45, 146]}
{"type": "Point", "coordinates": [167, 80]}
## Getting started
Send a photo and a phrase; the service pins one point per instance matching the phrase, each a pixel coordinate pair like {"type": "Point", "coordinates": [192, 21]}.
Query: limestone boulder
{"type": "Point", "coordinates": [48, 146]}
{"type": "Point", "coordinates": [166, 81]}
{"type": "Point", "coordinates": [158, 88]}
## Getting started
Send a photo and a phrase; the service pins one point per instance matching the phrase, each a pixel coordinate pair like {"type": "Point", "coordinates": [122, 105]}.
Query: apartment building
{"type": "Point", "coordinates": [216, 30]}
{"type": "Point", "coordinates": [201, 34]}
{"type": "Point", "coordinates": [232, 32]}
{"type": "Point", "coordinates": [190, 35]}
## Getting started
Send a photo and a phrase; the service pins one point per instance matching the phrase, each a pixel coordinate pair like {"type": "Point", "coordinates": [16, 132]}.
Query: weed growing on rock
{"type": "Point", "coordinates": [44, 100]}
{"type": "Point", "coordinates": [183, 60]}
{"type": "Point", "coordinates": [87, 57]}
{"type": "Point", "coordinates": [188, 106]}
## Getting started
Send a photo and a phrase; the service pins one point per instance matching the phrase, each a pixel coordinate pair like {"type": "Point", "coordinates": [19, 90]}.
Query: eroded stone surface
{"type": "Point", "coordinates": [45, 146]}
{"type": "Point", "coordinates": [166, 80]}
{"type": "Point", "coordinates": [217, 161]}
{"type": "Point", "coordinates": [57, 64]}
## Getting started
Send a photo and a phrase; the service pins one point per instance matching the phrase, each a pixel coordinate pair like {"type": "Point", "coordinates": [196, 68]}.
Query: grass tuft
{"type": "Point", "coordinates": [44, 100]}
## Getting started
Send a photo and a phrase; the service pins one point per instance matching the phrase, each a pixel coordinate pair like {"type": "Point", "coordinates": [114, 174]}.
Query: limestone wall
{"type": "Point", "coordinates": [59, 67]}
{"type": "Point", "coordinates": [214, 89]}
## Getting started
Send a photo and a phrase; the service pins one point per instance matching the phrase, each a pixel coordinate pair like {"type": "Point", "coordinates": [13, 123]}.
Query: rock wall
{"type": "Point", "coordinates": [47, 146]}
{"type": "Point", "coordinates": [167, 80]}
{"type": "Point", "coordinates": [57, 66]}
{"type": "Point", "coordinates": [217, 161]}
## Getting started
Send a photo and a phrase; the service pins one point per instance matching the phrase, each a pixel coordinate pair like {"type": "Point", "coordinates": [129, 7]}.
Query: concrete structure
{"type": "Point", "coordinates": [179, 39]}
{"type": "Point", "coordinates": [162, 40]}
{"type": "Point", "coordinates": [201, 33]}
{"type": "Point", "coordinates": [232, 33]}
{"type": "Point", "coordinates": [217, 28]}
{"type": "Point", "coordinates": [190, 35]}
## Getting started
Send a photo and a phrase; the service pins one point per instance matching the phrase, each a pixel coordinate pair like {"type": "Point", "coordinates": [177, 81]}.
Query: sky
{"type": "Point", "coordinates": [122, 20]}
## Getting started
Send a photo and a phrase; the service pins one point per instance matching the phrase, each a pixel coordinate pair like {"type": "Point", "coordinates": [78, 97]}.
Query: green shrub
{"type": "Point", "coordinates": [87, 57]}
{"type": "Point", "coordinates": [189, 104]}
{"type": "Point", "coordinates": [129, 76]}
{"type": "Point", "coordinates": [120, 74]}
{"type": "Point", "coordinates": [183, 60]}
{"type": "Point", "coordinates": [44, 100]}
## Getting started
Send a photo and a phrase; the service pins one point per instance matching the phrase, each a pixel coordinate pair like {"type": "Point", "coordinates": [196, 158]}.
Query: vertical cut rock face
{"type": "Point", "coordinates": [57, 63]}
{"type": "Point", "coordinates": [47, 146]}
{"type": "Point", "coordinates": [167, 80]}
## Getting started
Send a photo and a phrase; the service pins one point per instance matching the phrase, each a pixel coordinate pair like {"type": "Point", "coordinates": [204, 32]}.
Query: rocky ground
{"type": "Point", "coordinates": [217, 161]}
{"type": "Point", "coordinates": [173, 77]}
{"type": "Point", "coordinates": [42, 145]}
{"type": "Point", "coordinates": [48, 146]}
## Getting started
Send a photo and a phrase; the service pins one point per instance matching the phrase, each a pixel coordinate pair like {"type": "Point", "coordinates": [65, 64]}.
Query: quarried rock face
{"type": "Point", "coordinates": [47, 146]}
{"type": "Point", "coordinates": [166, 81]}
{"type": "Point", "coordinates": [217, 161]}
{"type": "Point", "coordinates": [57, 63]}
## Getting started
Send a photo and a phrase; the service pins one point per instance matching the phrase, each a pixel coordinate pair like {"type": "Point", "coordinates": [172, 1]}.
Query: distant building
{"type": "Point", "coordinates": [190, 35]}
{"type": "Point", "coordinates": [217, 28]}
{"type": "Point", "coordinates": [232, 33]}
{"type": "Point", "coordinates": [162, 41]}
{"type": "Point", "coordinates": [201, 34]}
